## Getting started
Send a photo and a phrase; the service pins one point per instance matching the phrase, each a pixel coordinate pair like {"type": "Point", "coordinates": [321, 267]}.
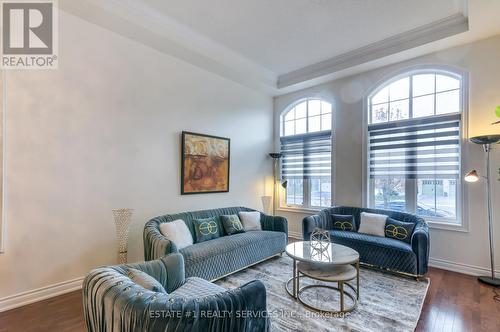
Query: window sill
{"type": "Point", "coordinates": [299, 209]}
{"type": "Point", "coordinates": [433, 224]}
{"type": "Point", "coordinates": [436, 224]}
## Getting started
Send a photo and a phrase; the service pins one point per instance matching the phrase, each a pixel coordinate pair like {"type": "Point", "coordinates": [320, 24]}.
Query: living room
{"type": "Point", "coordinates": [286, 165]}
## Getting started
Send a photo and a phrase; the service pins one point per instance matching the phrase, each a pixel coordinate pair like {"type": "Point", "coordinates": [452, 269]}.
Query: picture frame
{"type": "Point", "coordinates": [205, 163]}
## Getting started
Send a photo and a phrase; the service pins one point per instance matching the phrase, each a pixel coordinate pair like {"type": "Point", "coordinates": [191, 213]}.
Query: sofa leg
{"type": "Point", "coordinates": [417, 278]}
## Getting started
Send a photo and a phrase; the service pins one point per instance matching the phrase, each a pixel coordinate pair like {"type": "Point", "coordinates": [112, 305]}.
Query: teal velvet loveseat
{"type": "Point", "coordinates": [218, 257]}
{"type": "Point", "coordinates": [410, 257]}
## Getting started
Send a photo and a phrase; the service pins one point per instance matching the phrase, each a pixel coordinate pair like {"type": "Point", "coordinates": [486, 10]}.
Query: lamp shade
{"type": "Point", "coordinates": [472, 176]}
{"type": "Point", "coordinates": [275, 155]}
{"type": "Point", "coordinates": [485, 139]}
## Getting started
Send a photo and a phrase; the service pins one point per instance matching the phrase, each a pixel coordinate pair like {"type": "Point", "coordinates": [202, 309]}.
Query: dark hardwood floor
{"type": "Point", "coordinates": [62, 313]}
{"type": "Point", "coordinates": [454, 302]}
{"type": "Point", "coordinates": [458, 302]}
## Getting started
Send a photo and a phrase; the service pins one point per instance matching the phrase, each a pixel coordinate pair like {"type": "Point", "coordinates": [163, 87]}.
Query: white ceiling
{"type": "Point", "coordinates": [280, 46]}
{"type": "Point", "coordinates": [285, 35]}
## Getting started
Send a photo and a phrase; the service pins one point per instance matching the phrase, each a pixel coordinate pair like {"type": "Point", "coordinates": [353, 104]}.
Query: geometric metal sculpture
{"type": "Point", "coordinates": [122, 223]}
{"type": "Point", "coordinates": [320, 239]}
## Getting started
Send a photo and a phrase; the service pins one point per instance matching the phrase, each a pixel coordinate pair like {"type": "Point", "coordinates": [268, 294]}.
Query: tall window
{"type": "Point", "coordinates": [414, 135]}
{"type": "Point", "coordinates": [306, 144]}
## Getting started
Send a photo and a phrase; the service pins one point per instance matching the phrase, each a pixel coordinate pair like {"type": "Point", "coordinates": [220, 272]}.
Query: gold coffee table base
{"type": "Point", "coordinates": [339, 289]}
{"type": "Point", "coordinates": [342, 293]}
{"type": "Point", "coordinates": [290, 292]}
{"type": "Point", "coordinates": [327, 263]}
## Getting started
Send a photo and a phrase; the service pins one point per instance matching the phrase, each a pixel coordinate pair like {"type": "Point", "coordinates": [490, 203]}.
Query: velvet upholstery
{"type": "Point", "coordinates": [411, 258]}
{"type": "Point", "coordinates": [218, 257]}
{"type": "Point", "coordinates": [232, 224]}
{"type": "Point", "coordinates": [174, 265]}
{"type": "Point", "coordinates": [206, 229]}
{"type": "Point", "coordinates": [145, 280]}
{"type": "Point", "coordinates": [343, 222]}
{"type": "Point", "coordinates": [215, 258]}
{"type": "Point", "coordinates": [112, 302]}
{"type": "Point", "coordinates": [399, 230]}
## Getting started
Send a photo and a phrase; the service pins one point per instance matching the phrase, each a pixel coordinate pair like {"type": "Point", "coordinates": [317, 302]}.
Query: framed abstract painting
{"type": "Point", "coordinates": [205, 164]}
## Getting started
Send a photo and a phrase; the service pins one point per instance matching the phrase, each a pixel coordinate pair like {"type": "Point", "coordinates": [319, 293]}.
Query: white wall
{"type": "Point", "coordinates": [462, 251]}
{"type": "Point", "coordinates": [102, 132]}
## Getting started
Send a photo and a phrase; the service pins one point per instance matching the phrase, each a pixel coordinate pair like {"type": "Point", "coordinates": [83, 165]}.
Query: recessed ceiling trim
{"type": "Point", "coordinates": [135, 20]}
{"type": "Point", "coordinates": [434, 31]}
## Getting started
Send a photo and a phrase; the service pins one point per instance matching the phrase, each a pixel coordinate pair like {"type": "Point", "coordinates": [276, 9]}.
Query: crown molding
{"type": "Point", "coordinates": [425, 34]}
{"type": "Point", "coordinates": [143, 24]}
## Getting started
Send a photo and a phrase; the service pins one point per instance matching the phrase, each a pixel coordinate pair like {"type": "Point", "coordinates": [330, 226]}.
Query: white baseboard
{"type": "Point", "coordinates": [39, 294]}
{"type": "Point", "coordinates": [295, 235]}
{"type": "Point", "coordinates": [438, 263]}
{"type": "Point", "coordinates": [460, 267]}
{"type": "Point", "coordinates": [21, 299]}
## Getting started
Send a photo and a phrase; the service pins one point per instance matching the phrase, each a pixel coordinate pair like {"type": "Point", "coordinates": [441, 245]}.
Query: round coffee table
{"type": "Point", "coordinates": [328, 262]}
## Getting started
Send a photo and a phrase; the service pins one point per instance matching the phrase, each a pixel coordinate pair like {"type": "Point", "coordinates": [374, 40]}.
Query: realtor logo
{"type": "Point", "coordinates": [29, 39]}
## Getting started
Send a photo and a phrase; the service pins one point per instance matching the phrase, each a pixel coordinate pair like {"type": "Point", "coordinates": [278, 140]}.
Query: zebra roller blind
{"type": "Point", "coordinates": [306, 156]}
{"type": "Point", "coordinates": [427, 148]}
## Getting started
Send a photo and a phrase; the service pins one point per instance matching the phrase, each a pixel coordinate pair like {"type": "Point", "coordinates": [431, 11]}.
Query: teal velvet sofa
{"type": "Point", "coordinates": [218, 257]}
{"type": "Point", "coordinates": [410, 258]}
{"type": "Point", "coordinates": [113, 302]}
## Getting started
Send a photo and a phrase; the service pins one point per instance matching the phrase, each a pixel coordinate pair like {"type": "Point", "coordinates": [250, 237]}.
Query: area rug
{"type": "Point", "coordinates": [387, 302]}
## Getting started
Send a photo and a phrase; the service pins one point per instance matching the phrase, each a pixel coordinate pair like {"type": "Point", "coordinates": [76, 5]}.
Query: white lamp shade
{"type": "Point", "coordinates": [472, 176]}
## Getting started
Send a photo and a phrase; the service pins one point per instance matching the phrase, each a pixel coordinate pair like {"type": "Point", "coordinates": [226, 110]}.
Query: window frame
{"type": "Point", "coordinates": [461, 223]}
{"type": "Point", "coordinates": [306, 208]}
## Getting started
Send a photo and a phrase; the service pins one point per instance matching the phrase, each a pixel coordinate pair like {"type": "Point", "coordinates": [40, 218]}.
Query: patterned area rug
{"type": "Point", "coordinates": [387, 302]}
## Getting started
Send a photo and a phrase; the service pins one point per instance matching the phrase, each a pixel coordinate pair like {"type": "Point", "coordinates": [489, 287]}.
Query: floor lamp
{"type": "Point", "coordinates": [473, 176]}
{"type": "Point", "coordinates": [276, 178]}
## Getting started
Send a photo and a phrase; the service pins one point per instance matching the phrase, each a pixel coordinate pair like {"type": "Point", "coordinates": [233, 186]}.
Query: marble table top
{"type": "Point", "coordinates": [322, 253]}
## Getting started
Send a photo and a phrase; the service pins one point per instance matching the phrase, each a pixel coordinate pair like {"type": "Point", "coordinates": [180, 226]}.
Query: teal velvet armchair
{"type": "Point", "coordinates": [113, 302]}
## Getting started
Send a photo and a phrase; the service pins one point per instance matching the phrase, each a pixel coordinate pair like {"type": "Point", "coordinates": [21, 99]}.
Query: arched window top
{"type": "Point", "coordinates": [306, 116]}
{"type": "Point", "coordinates": [416, 95]}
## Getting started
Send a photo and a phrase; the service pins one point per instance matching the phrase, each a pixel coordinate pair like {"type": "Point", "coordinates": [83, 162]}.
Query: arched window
{"type": "Point", "coordinates": [414, 135]}
{"type": "Point", "coordinates": [306, 141]}
{"type": "Point", "coordinates": [415, 96]}
{"type": "Point", "coordinates": [307, 116]}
